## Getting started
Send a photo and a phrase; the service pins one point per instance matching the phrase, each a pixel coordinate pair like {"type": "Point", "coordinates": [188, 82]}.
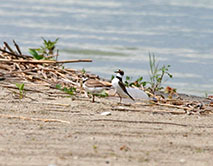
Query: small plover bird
{"type": "Point", "coordinates": [94, 86]}
{"type": "Point", "coordinates": [119, 85]}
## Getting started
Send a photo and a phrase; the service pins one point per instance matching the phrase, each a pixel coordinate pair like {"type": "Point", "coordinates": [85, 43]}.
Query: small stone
{"type": "Point", "coordinates": [106, 113]}
{"type": "Point", "coordinates": [107, 162]}
{"type": "Point", "coordinates": [75, 157]}
{"type": "Point", "coordinates": [182, 160]}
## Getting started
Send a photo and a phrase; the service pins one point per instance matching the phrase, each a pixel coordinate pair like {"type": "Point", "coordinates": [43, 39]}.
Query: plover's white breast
{"type": "Point", "coordinates": [117, 87]}
{"type": "Point", "coordinates": [93, 89]}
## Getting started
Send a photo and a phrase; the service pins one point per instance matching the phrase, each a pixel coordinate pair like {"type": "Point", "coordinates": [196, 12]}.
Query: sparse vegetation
{"type": "Point", "coordinates": [21, 89]}
{"type": "Point", "coordinates": [156, 77]}
{"type": "Point", "coordinates": [46, 51]}
{"type": "Point", "coordinates": [83, 71]}
{"type": "Point", "coordinates": [138, 82]}
{"type": "Point", "coordinates": [102, 94]}
{"type": "Point", "coordinates": [71, 91]}
{"type": "Point", "coordinates": [157, 74]}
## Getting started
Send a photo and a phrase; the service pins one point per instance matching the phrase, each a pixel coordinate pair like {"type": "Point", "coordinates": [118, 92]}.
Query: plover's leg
{"type": "Point", "coordinates": [86, 94]}
{"type": "Point", "coordinates": [93, 98]}
{"type": "Point", "coordinates": [120, 98]}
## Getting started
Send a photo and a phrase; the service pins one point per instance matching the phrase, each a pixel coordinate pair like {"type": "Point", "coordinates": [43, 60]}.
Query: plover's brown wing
{"type": "Point", "coordinates": [107, 84]}
{"type": "Point", "coordinates": [121, 84]}
{"type": "Point", "coordinates": [94, 83]}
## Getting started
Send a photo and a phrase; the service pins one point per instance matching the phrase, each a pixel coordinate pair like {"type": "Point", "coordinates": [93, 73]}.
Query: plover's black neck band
{"type": "Point", "coordinates": [84, 80]}
{"type": "Point", "coordinates": [120, 79]}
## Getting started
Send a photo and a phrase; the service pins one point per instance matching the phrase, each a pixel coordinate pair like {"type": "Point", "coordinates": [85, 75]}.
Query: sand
{"type": "Point", "coordinates": [82, 136]}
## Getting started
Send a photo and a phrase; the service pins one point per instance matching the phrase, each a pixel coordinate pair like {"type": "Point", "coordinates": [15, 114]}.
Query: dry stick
{"type": "Point", "coordinates": [8, 47]}
{"type": "Point", "coordinates": [57, 104]}
{"type": "Point", "coordinates": [154, 111]}
{"type": "Point", "coordinates": [44, 61]}
{"type": "Point", "coordinates": [17, 47]}
{"type": "Point", "coordinates": [145, 122]}
{"type": "Point", "coordinates": [33, 119]}
{"type": "Point", "coordinates": [16, 55]}
{"type": "Point", "coordinates": [174, 106]}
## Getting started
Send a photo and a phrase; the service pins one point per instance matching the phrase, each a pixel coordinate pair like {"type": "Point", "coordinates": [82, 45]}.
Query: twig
{"type": "Point", "coordinates": [57, 104]}
{"type": "Point", "coordinates": [154, 111]}
{"type": "Point", "coordinates": [174, 106]}
{"type": "Point", "coordinates": [43, 61]}
{"type": "Point", "coordinates": [9, 48]}
{"type": "Point", "coordinates": [33, 119]}
{"type": "Point", "coordinates": [17, 47]}
{"type": "Point", "coordinates": [145, 122]}
{"type": "Point", "coordinates": [16, 55]}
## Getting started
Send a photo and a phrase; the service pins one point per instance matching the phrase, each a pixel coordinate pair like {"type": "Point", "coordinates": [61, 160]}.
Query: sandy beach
{"type": "Point", "coordinates": [48, 127]}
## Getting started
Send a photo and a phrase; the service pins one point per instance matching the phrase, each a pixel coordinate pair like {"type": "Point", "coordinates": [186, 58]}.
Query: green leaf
{"type": "Point", "coordinates": [20, 86]}
{"type": "Point", "coordinates": [139, 79]}
{"type": "Point", "coordinates": [35, 54]}
{"type": "Point", "coordinates": [102, 94]}
{"type": "Point", "coordinates": [112, 77]}
{"type": "Point", "coordinates": [127, 77]}
{"type": "Point", "coordinates": [83, 71]}
{"type": "Point", "coordinates": [58, 86]}
{"type": "Point", "coordinates": [144, 84]}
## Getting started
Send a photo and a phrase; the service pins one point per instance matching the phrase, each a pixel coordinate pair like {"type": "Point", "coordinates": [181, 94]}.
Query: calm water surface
{"type": "Point", "coordinates": [120, 34]}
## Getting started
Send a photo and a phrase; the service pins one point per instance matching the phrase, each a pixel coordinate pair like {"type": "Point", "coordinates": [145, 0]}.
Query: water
{"type": "Point", "coordinates": [120, 34]}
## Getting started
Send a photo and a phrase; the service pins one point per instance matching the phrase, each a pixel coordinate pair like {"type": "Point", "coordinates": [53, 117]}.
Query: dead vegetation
{"type": "Point", "coordinates": [49, 72]}
{"type": "Point", "coordinates": [52, 73]}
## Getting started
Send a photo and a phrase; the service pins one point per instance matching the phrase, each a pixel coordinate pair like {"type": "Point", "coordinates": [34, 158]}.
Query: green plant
{"type": "Point", "coordinates": [206, 94]}
{"type": "Point", "coordinates": [83, 71]}
{"type": "Point", "coordinates": [21, 90]}
{"type": "Point", "coordinates": [138, 82]}
{"type": "Point", "coordinates": [102, 94]}
{"type": "Point", "coordinates": [128, 81]}
{"type": "Point", "coordinates": [46, 51]}
{"type": "Point", "coordinates": [157, 73]}
{"type": "Point", "coordinates": [70, 91]}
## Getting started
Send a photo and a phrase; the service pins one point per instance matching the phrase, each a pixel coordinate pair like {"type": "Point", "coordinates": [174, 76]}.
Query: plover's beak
{"type": "Point", "coordinates": [117, 71]}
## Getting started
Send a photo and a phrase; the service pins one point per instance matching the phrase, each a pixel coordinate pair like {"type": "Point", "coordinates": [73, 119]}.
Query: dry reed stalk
{"type": "Point", "coordinates": [43, 61]}
{"type": "Point", "coordinates": [148, 110]}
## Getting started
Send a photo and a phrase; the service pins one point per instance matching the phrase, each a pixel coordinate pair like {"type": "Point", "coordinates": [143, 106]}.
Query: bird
{"type": "Point", "coordinates": [94, 86]}
{"type": "Point", "coordinates": [119, 86]}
